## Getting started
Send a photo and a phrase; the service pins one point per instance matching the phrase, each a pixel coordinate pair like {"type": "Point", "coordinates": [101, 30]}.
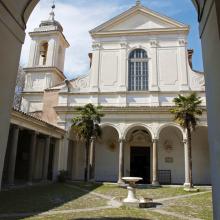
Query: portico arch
{"type": "Point", "coordinates": [135, 125]}
{"type": "Point", "coordinates": [138, 151]}
{"type": "Point", "coordinates": [106, 124]}
{"type": "Point", "coordinates": [170, 124]}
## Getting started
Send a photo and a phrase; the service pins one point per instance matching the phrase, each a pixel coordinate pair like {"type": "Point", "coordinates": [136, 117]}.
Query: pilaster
{"type": "Point", "coordinates": [95, 70]}
{"type": "Point", "coordinates": [153, 78]}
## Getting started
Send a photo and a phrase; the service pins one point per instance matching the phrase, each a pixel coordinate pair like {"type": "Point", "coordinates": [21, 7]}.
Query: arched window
{"type": "Point", "coordinates": [138, 70]}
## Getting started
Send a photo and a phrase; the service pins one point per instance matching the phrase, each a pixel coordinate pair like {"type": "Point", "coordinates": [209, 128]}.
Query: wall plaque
{"type": "Point", "coordinates": [168, 159]}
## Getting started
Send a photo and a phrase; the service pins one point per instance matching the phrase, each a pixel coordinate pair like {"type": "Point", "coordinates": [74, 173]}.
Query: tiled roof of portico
{"type": "Point", "coordinates": [31, 122]}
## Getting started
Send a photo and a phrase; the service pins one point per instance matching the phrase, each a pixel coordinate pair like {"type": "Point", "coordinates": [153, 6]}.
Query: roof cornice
{"type": "Point", "coordinates": [155, 31]}
{"type": "Point", "coordinates": [45, 68]}
{"type": "Point", "coordinates": [46, 32]}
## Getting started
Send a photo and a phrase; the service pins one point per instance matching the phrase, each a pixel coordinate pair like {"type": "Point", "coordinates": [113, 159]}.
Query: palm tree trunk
{"type": "Point", "coordinates": [189, 136]}
{"type": "Point", "coordinates": [86, 174]}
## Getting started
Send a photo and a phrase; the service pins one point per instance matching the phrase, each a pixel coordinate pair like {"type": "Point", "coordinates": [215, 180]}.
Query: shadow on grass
{"type": "Point", "coordinates": [42, 198]}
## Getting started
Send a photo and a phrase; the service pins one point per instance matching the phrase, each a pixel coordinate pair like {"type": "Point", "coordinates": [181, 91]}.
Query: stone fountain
{"type": "Point", "coordinates": [131, 198]}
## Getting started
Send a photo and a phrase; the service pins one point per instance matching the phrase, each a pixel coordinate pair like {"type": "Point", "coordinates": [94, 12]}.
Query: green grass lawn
{"type": "Point", "coordinates": [199, 206]}
{"type": "Point", "coordinates": [109, 214]}
{"type": "Point", "coordinates": [147, 192]}
{"type": "Point", "coordinates": [65, 197]}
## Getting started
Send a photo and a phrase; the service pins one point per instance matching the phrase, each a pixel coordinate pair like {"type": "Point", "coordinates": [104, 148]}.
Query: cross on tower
{"type": "Point", "coordinates": [138, 2]}
{"type": "Point", "coordinates": [52, 14]}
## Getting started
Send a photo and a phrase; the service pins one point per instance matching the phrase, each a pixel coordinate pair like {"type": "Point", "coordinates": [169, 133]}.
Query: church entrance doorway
{"type": "Point", "coordinates": [140, 163]}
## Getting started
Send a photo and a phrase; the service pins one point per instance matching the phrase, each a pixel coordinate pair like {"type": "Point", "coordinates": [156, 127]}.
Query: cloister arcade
{"type": "Point", "coordinates": [159, 154]}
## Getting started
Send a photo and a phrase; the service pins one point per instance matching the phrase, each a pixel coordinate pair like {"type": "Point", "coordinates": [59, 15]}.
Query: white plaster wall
{"type": "Point", "coordinates": [174, 137]}
{"type": "Point", "coordinates": [107, 160]}
{"type": "Point", "coordinates": [169, 73]}
{"type": "Point", "coordinates": [106, 163]}
{"type": "Point", "coordinates": [32, 103]}
{"type": "Point", "coordinates": [200, 154]}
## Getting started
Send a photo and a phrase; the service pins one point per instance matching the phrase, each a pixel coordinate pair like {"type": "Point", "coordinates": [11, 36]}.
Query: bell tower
{"type": "Point", "coordinates": [46, 62]}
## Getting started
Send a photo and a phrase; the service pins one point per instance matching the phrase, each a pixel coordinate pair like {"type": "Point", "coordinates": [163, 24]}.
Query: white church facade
{"type": "Point", "coordinates": [139, 64]}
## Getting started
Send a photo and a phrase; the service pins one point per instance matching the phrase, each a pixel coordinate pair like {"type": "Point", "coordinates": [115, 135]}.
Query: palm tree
{"type": "Point", "coordinates": [86, 126]}
{"type": "Point", "coordinates": [186, 110]}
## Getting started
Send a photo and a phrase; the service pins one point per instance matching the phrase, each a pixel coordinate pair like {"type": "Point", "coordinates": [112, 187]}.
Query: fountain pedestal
{"type": "Point", "coordinates": [131, 198]}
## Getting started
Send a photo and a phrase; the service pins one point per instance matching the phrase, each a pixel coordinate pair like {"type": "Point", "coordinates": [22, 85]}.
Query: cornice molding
{"type": "Point", "coordinates": [45, 69]}
{"type": "Point", "coordinates": [153, 31]}
{"type": "Point", "coordinates": [46, 32]}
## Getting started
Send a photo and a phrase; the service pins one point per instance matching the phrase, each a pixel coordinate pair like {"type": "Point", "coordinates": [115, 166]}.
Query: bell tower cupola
{"type": "Point", "coordinates": [48, 44]}
{"type": "Point", "coordinates": [46, 61]}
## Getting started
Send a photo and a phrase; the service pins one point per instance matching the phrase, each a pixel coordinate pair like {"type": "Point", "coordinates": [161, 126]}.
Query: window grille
{"type": "Point", "coordinates": [138, 71]}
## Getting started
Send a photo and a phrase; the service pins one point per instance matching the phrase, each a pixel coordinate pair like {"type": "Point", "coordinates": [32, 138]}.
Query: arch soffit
{"type": "Point", "coordinates": [175, 125]}
{"type": "Point", "coordinates": [148, 128]}
{"type": "Point", "coordinates": [30, 5]}
{"type": "Point", "coordinates": [104, 125]}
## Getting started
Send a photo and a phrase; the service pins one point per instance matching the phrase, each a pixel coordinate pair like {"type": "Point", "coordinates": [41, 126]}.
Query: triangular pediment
{"type": "Point", "coordinates": [138, 18]}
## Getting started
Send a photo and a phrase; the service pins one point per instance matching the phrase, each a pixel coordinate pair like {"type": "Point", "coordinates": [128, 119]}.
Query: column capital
{"type": "Point", "coordinates": [155, 140]}
{"type": "Point", "coordinates": [121, 140]}
{"type": "Point", "coordinates": [185, 140]}
{"type": "Point", "coordinates": [93, 138]}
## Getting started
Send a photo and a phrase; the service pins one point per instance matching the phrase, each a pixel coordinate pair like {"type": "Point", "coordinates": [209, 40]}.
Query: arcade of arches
{"type": "Point", "coordinates": [13, 18]}
{"type": "Point", "coordinates": [159, 157]}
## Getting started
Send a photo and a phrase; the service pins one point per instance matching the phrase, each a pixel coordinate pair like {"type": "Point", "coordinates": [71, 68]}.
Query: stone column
{"type": "Point", "coordinates": [92, 160]}
{"type": "Point", "coordinates": [186, 156]}
{"type": "Point", "coordinates": [155, 181]}
{"type": "Point", "coordinates": [121, 161]}
{"type": "Point", "coordinates": [46, 159]}
{"type": "Point", "coordinates": [32, 157]}
{"type": "Point", "coordinates": [13, 155]}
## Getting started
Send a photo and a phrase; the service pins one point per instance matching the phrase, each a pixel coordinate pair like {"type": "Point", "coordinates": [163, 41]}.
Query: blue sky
{"type": "Point", "coordinates": [80, 16]}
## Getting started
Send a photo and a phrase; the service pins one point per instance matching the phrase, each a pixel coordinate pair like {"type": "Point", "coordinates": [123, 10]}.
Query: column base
{"type": "Point", "coordinates": [155, 183]}
{"type": "Point", "coordinates": [121, 182]}
{"type": "Point", "coordinates": [186, 185]}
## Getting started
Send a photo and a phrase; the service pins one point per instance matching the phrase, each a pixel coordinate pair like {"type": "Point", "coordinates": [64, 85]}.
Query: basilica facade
{"type": "Point", "coordinates": [139, 64]}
